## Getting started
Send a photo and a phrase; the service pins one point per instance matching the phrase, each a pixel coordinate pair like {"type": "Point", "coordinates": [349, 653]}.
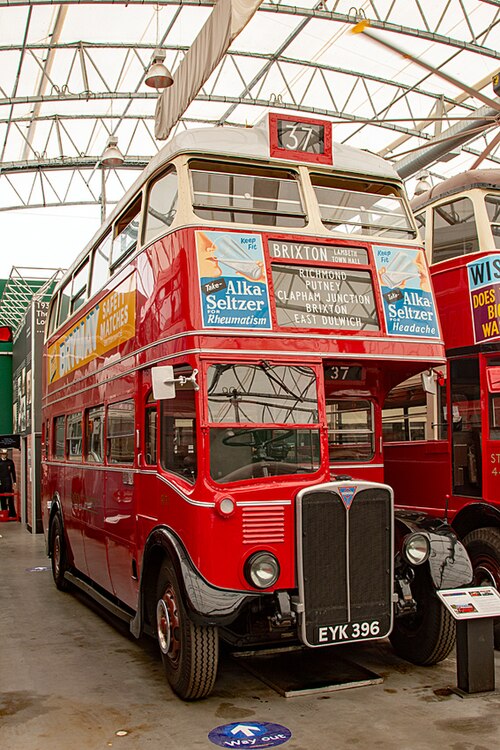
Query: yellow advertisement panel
{"type": "Point", "coordinates": [102, 328]}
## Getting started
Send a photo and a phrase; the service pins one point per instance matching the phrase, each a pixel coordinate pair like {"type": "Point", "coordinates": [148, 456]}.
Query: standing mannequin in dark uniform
{"type": "Point", "coordinates": [7, 482]}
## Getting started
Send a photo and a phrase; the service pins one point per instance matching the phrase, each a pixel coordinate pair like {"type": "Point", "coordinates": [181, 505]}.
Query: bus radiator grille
{"type": "Point", "coordinates": [346, 559]}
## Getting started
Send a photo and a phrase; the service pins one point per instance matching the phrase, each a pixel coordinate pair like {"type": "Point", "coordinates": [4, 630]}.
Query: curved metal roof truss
{"type": "Point", "coordinates": [415, 87]}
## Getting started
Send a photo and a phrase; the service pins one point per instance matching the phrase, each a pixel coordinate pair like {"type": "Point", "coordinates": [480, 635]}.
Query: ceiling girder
{"type": "Point", "coordinates": [432, 107]}
{"type": "Point", "coordinates": [318, 12]}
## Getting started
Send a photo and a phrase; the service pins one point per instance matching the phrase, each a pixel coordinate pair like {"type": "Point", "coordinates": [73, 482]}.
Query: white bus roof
{"type": "Point", "coordinates": [486, 179]}
{"type": "Point", "coordinates": [247, 143]}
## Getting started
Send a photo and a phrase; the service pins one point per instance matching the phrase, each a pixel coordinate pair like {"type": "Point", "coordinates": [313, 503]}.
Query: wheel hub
{"type": "Point", "coordinates": [57, 554]}
{"type": "Point", "coordinates": [167, 619]}
{"type": "Point", "coordinates": [163, 626]}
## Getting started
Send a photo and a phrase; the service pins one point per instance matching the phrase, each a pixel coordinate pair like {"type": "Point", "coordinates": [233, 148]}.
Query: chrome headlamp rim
{"type": "Point", "coordinates": [416, 548]}
{"type": "Point", "coordinates": [251, 568]}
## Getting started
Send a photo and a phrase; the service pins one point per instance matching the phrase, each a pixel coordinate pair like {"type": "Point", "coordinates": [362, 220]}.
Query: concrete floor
{"type": "Point", "coordinates": [72, 678]}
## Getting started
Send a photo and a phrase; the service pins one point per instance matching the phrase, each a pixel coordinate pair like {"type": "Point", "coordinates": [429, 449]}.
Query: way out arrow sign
{"type": "Point", "coordinates": [246, 729]}
{"type": "Point", "coordinates": [251, 735]}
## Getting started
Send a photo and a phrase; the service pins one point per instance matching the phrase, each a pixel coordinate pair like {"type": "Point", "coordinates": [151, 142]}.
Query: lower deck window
{"type": "Point", "coordinates": [120, 433]}
{"type": "Point", "coordinates": [74, 436]}
{"type": "Point", "coordinates": [94, 435]}
{"type": "Point", "coordinates": [58, 438]}
{"type": "Point", "coordinates": [350, 430]}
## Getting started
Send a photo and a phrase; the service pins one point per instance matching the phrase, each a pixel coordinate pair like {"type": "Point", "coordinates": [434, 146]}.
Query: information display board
{"type": "Point", "coordinates": [316, 297]}
{"type": "Point", "coordinates": [471, 603]}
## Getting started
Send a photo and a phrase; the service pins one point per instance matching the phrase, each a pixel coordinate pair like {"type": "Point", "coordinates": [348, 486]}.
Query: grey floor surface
{"type": "Point", "coordinates": [71, 679]}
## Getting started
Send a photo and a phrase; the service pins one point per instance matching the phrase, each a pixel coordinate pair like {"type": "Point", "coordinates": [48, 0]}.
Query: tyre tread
{"type": "Point", "coordinates": [195, 675]}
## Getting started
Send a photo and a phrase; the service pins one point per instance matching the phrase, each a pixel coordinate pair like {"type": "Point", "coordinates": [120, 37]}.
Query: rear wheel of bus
{"type": "Point", "coordinates": [58, 554]}
{"type": "Point", "coordinates": [426, 636]}
{"type": "Point", "coordinates": [189, 651]}
{"type": "Point", "coordinates": [483, 546]}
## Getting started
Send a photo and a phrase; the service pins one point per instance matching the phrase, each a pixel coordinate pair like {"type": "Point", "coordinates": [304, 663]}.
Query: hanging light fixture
{"type": "Point", "coordinates": [112, 156]}
{"type": "Point", "coordinates": [423, 184]}
{"type": "Point", "coordinates": [158, 75]}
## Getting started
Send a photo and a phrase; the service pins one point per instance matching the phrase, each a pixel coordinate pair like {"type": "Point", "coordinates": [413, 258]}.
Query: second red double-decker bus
{"type": "Point", "coordinates": [215, 367]}
{"type": "Point", "coordinates": [443, 444]}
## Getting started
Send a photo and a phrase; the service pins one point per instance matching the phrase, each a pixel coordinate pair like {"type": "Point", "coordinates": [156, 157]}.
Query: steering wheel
{"type": "Point", "coordinates": [260, 448]}
{"type": "Point", "coordinates": [233, 440]}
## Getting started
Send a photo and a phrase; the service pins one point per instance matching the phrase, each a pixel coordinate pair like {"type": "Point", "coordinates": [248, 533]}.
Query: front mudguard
{"type": "Point", "coordinates": [206, 604]}
{"type": "Point", "coordinates": [449, 564]}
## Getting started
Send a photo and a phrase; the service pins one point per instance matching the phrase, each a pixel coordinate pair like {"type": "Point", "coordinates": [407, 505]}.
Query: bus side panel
{"type": "Point", "coordinates": [419, 473]}
{"type": "Point", "coordinates": [491, 471]}
{"type": "Point", "coordinates": [70, 486]}
{"type": "Point", "coordinates": [120, 532]}
{"type": "Point", "coordinates": [94, 525]}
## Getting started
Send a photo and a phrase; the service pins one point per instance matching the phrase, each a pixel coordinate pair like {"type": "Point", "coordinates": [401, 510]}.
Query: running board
{"type": "Point", "coordinates": [114, 609]}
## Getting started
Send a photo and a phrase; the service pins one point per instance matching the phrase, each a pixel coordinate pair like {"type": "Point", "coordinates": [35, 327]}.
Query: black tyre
{"type": "Point", "coordinates": [427, 636]}
{"type": "Point", "coordinates": [483, 546]}
{"type": "Point", "coordinates": [190, 652]}
{"type": "Point", "coordinates": [58, 554]}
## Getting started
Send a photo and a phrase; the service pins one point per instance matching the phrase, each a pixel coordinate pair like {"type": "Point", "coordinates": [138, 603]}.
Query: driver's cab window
{"type": "Point", "coordinates": [178, 429]}
{"type": "Point", "coordinates": [263, 421]}
{"type": "Point", "coordinates": [350, 430]}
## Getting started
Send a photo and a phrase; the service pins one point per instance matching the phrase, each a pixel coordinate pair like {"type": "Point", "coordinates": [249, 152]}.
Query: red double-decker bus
{"type": "Point", "coordinates": [216, 362]}
{"type": "Point", "coordinates": [442, 448]}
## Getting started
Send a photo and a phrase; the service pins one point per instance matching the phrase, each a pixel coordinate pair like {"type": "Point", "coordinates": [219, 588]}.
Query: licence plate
{"type": "Point", "coordinates": [349, 631]}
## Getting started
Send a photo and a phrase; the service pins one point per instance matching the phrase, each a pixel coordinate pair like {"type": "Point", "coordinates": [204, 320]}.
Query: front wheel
{"type": "Point", "coordinates": [189, 651]}
{"type": "Point", "coordinates": [483, 547]}
{"type": "Point", "coordinates": [58, 554]}
{"type": "Point", "coordinates": [426, 636]}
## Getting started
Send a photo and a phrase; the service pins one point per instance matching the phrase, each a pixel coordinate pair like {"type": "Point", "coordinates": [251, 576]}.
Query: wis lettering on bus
{"type": "Point", "coordinates": [482, 273]}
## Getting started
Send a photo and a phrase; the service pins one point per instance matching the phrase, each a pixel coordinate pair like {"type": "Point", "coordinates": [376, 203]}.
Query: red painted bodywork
{"type": "Point", "coordinates": [421, 472]}
{"type": "Point", "coordinates": [109, 512]}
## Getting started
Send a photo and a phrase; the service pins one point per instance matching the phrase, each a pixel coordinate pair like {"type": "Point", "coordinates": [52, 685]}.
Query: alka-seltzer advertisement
{"type": "Point", "coordinates": [105, 326]}
{"type": "Point", "coordinates": [484, 287]}
{"type": "Point", "coordinates": [409, 306]}
{"type": "Point", "coordinates": [233, 283]}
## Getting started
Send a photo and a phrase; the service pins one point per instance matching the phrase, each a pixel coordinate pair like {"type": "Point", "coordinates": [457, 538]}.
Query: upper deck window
{"type": "Point", "coordinates": [126, 234]}
{"type": "Point", "coordinates": [362, 207]}
{"type": "Point", "coordinates": [246, 195]}
{"type": "Point", "coordinates": [52, 316]}
{"type": "Point", "coordinates": [100, 264]}
{"type": "Point", "coordinates": [79, 288]}
{"type": "Point", "coordinates": [65, 299]}
{"type": "Point", "coordinates": [454, 230]}
{"type": "Point", "coordinates": [162, 205]}
{"type": "Point", "coordinates": [492, 202]}
{"type": "Point", "coordinates": [421, 223]}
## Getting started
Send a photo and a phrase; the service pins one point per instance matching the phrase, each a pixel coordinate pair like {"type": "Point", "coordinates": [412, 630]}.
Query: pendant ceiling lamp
{"type": "Point", "coordinates": [112, 156]}
{"type": "Point", "coordinates": [158, 75]}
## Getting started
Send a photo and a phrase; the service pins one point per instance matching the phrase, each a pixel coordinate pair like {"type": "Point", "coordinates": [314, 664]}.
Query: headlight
{"type": "Point", "coordinates": [416, 548]}
{"type": "Point", "coordinates": [262, 570]}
